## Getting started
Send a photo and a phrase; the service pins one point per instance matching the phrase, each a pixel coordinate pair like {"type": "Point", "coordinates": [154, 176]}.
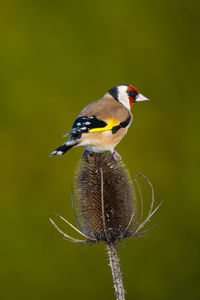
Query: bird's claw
{"type": "Point", "coordinates": [116, 156]}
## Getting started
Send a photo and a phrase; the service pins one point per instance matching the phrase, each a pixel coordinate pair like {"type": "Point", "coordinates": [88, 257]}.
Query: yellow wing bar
{"type": "Point", "coordinates": [109, 126]}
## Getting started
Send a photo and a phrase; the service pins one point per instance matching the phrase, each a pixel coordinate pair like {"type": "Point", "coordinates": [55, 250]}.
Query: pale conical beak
{"type": "Point", "coordinates": [141, 97]}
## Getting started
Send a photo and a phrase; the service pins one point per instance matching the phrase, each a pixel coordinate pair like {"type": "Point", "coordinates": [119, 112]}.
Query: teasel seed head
{"type": "Point", "coordinates": [105, 201]}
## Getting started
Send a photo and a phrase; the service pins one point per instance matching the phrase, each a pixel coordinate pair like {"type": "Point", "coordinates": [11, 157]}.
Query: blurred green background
{"type": "Point", "coordinates": [55, 58]}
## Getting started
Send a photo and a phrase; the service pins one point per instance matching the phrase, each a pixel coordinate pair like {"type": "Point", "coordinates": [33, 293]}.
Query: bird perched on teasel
{"type": "Point", "coordinates": [102, 124]}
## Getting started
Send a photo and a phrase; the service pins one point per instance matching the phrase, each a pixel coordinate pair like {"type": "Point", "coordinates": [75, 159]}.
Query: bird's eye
{"type": "Point", "coordinates": [132, 94]}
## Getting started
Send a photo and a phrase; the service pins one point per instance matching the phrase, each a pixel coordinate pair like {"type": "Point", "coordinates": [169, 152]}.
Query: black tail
{"type": "Point", "coordinates": [62, 149]}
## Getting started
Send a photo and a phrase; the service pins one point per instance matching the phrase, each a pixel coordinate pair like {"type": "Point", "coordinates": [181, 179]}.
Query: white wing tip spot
{"type": "Point", "coordinates": [53, 153]}
{"type": "Point", "coordinates": [59, 153]}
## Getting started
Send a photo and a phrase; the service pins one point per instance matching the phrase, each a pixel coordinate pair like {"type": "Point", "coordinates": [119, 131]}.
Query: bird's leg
{"type": "Point", "coordinates": [116, 155]}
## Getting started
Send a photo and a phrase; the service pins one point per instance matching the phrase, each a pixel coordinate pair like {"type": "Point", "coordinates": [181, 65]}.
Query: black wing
{"type": "Point", "coordinates": [84, 124]}
{"type": "Point", "coordinates": [121, 125]}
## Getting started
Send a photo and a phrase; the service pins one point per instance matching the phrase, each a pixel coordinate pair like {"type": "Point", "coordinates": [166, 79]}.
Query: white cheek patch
{"type": "Point", "coordinates": [123, 96]}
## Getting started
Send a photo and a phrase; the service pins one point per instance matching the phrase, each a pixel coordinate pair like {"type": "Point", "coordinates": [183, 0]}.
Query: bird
{"type": "Point", "coordinates": [102, 124]}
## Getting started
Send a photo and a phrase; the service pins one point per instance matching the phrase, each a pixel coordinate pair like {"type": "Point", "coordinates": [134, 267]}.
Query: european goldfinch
{"type": "Point", "coordinates": [102, 124]}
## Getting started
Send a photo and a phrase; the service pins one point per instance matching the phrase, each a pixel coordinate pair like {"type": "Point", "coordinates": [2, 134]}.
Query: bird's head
{"type": "Point", "coordinates": [126, 94]}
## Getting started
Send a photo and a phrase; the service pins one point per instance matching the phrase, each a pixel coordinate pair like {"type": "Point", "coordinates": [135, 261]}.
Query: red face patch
{"type": "Point", "coordinates": [130, 87]}
{"type": "Point", "coordinates": [131, 100]}
{"type": "Point", "coordinates": [132, 93]}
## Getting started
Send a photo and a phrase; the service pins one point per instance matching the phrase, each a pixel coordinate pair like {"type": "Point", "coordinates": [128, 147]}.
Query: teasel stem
{"type": "Point", "coordinates": [113, 256]}
{"type": "Point", "coordinates": [114, 262]}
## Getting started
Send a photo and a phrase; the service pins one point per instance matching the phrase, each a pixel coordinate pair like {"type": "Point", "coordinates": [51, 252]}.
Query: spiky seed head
{"type": "Point", "coordinates": [113, 218]}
